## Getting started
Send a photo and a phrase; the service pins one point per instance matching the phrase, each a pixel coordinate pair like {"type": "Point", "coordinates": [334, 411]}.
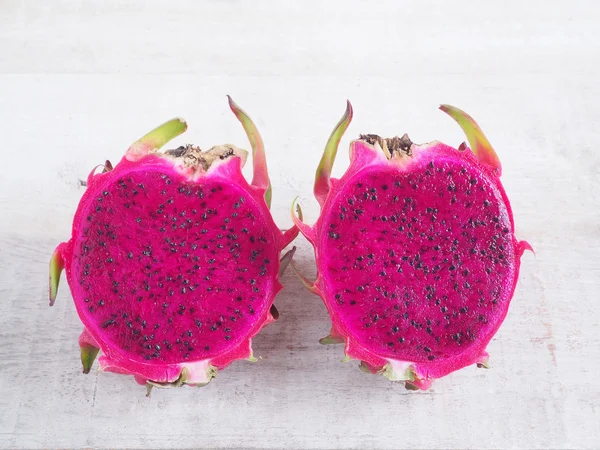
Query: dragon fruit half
{"type": "Point", "coordinates": [173, 262]}
{"type": "Point", "coordinates": [416, 254]}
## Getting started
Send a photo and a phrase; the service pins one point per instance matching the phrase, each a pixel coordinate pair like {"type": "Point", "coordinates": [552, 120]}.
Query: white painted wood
{"type": "Point", "coordinates": [80, 80]}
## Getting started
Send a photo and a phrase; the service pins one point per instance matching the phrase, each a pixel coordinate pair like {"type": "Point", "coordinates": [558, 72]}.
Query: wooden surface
{"type": "Point", "coordinates": [79, 83]}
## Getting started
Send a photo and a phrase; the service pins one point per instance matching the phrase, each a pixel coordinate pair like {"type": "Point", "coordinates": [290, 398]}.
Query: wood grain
{"type": "Point", "coordinates": [80, 81]}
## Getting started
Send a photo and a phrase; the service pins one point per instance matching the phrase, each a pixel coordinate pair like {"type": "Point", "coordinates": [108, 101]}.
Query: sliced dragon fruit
{"type": "Point", "coordinates": [416, 253]}
{"type": "Point", "coordinates": [173, 261]}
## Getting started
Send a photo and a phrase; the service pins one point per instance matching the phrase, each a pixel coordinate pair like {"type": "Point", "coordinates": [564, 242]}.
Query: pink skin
{"type": "Point", "coordinates": [381, 304]}
{"type": "Point", "coordinates": [125, 293]}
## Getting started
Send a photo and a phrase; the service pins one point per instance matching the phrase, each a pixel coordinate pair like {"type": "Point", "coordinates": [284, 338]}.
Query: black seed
{"type": "Point", "coordinates": [108, 323]}
{"type": "Point", "coordinates": [395, 328]}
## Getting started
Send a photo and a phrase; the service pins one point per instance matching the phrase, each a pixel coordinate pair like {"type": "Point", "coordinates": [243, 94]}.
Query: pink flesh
{"type": "Point", "coordinates": [418, 266]}
{"type": "Point", "coordinates": [166, 270]}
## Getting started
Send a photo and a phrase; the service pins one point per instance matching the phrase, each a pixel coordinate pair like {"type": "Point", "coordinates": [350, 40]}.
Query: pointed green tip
{"type": "Point", "coordinates": [323, 175]}
{"type": "Point", "coordinates": [480, 146]}
{"type": "Point", "coordinates": [260, 177]}
{"type": "Point", "coordinates": [331, 340]}
{"type": "Point", "coordinates": [298, 210]}
{"type": "Point", "coordinates": [57, 264]}
{"type": "Point", "coordinates": [88, 356]}
{"type": "Point", "coordinates": [157, 138]}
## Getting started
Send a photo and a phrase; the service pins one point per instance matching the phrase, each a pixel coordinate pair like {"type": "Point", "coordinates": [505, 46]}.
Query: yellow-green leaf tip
{"type": "Point", "coordinates": [88, 356]}
{"type": "Point", "coordinates": [158, 137]}
{"type": "Point", "coordinates": [57, 264]}
{"type": "Point", "coordinates": [323, 175]}
{"type": "Point", "coordinates": [329, 340]}
{"type": "Point", "coordinates": [479, 144]}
